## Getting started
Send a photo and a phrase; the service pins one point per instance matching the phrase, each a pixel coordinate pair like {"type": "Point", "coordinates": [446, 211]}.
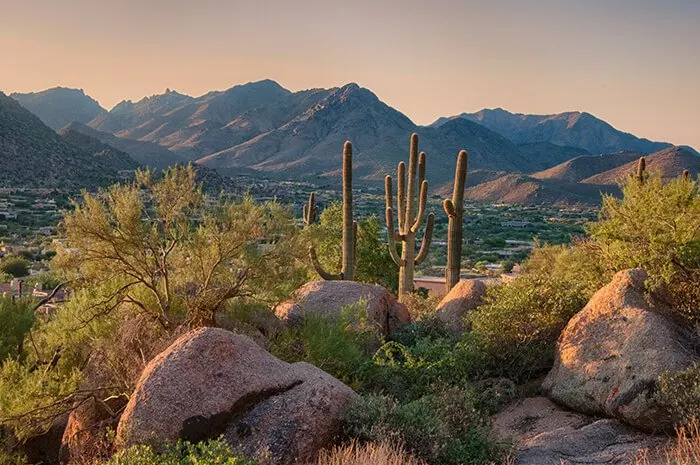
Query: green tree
{"type": "Point", "coordinates": [655, 226]}
{"type": "Point", "coordinates": [15, 266]}
{"type": "Point", "coordinates": [373, 264]}
{"type": "Point", "coordinates": [177, 256]}
{"type": "Point", "coordinates": [16, 319]}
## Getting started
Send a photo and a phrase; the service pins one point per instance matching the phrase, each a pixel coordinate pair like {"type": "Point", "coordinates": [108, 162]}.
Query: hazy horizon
{"type": "Point", "coordinates": [631, 63]}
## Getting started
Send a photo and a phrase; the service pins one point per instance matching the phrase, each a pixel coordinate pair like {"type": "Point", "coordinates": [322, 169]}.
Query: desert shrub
{"type": "Point", "coordinates": [420, 305]}
{"type": "Point", "coordinates": [442, 428]}
{"type": "Point", "coordinates": [356, 453]}
{"type": "Point", "coordinates": [655, 227]}
{"type": "Point", "coordinates": [16, 319]}
{"type": "Point", "coordinates": [342, 347]}
{"type": "Point", "coordinates": [15, 266]}
{"type": "Point", "coordinates": [521, 320]}
{"type": "Point", "coordinates": [374, 264]}
{"type": "Point", "coordinates": [215, 452]}
{"type": "Point", "coordinates": [680, 393]}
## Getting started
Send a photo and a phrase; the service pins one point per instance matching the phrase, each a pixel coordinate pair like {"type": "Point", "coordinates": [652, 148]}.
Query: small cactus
{"type": "Point", "coordinates": [641, 167]}
{"type": "Point", "coordinates": [310, 210]}
{"type": "Point", "coordinates": [409, 220]}
{"type": "Point", "coordinates": [686, 175]}
{"type": "Point", "coordinates": [349, 226]}
{"type": "Point", "coordinates": [455, 212]}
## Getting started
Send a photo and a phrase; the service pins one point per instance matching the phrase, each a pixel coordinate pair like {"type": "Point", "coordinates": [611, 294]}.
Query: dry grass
{"type": "Point", "coordinates": [366, 454]}
{"type": "Point", "coordinates": [685, 450]}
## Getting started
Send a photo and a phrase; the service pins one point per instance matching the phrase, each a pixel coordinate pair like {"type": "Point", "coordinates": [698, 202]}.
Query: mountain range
{"type": "Point", "coordinates": [261, 128]}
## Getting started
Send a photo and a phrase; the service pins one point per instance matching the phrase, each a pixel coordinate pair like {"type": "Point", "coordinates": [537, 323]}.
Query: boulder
{"type": "Point", "coordinates": [85, 436]}
{"type": "Point", "coordinates": [43, 448]}
{"type": "Point", "coordinates": [610, 355]}
{"type": "Point", "coordinates": [328, 298]}
{"type": "Point", "coordinates": [463, 298]}
{"type": "Point", "coordinates": [546, 434]}
{"type": "Point", "coordinates": [212, 382]}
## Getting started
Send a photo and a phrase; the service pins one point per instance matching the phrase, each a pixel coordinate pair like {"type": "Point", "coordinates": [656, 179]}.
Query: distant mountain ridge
{"type": "Point", "coordinates": [60, 106]}
{"type": "Point", "coordinates": [574, 129]}
{"type": "Point", "coordinates": [33, 155]}
{"type": "Point", "coordinates": [261, 128]}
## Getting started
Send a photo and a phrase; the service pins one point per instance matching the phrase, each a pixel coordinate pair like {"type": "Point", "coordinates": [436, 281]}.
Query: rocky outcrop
{"type": "Point", "coordinates": [611, 354]}
{"type": "Point", "coordinates": [546, 434]}
{"type": "Point", "coordinates": [329, 298]}
{"type": "Point", "coordinates": [463, 298]}
{"type": "Point", "coordinates": [212, 382]}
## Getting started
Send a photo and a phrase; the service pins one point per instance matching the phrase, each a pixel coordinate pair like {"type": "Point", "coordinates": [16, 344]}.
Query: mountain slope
{"type": "Point", "coordinates": [520, 189]}
{"type": "Point", "coordinates": [545, 154]}
{"type": "Point", "coordinates": [309, 146]}
{"type": "Point", "coordinates": [33, 155]}
{"type": "Point", "coordinates": [59, 106]}
{"type": "Point", "coordinates": [177, 121]}
{"type": "Point", "coordinates": [575, 129]}
{"type": "Point", "coordinates": [670, 163]}
{"type": "Point", "coordinates": [144, 153]}
{"type": "Point", "coordinates": [579, 168]}
{"type": "Point", "coordinates": [108, 156]}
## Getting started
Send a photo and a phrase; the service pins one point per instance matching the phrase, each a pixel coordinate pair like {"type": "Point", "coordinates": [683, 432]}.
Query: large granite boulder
{"type": "Point", "coordinates": [611, 354]}
{"type": "Point", "coordinates": [463, 298]}
{"type": "Point", "coordinates": [328, 298]}
{"type": "Point", "coordinates": [212, 382]}
{"type": "Point", "coordinates": [545, 434]}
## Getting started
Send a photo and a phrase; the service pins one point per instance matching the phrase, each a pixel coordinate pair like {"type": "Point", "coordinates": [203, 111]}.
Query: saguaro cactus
{"type": "Point", "coordinates": [686, 175]}
{"type": "Point", "coordinates": [455, 211]}
{"type": "Point", "coordinates": [409, 221]}
{"type": "Point", "coordinates": [310, 210]}
{"type": "Point", "coordinates": [349, 226]}
{"type": "Point", "coordinates": [641, 166]}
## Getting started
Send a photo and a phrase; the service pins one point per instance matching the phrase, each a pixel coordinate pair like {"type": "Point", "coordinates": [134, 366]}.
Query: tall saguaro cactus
{"type": "Point", "coordinates": [310, 210]}
{"type": "Point", "coordinates": [455, 212]}
{"type": "Point", "coordinates": [409, 219]}
{"type": "Point", "coordinates": [349, 226]}
{"type": "Point", "coordinates": [641, 167]}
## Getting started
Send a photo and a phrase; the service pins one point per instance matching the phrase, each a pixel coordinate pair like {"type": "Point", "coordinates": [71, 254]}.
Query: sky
{"type": "Point", "coordinates": [633, 63]}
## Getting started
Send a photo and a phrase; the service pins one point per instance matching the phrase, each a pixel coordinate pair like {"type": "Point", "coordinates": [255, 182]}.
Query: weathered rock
{"type": "Point", "coordinates": [546, 434]}
{"type": "Point", "coordinates": [85, 434]}
{"type": "Point", "coordinates": [328, 298]}
{"type": "Point", "coordinates": [463, 298]}
{"type": "Point", "coordinates": [211, 382]}
{"type": "Point", "coordinates": [611, 354]}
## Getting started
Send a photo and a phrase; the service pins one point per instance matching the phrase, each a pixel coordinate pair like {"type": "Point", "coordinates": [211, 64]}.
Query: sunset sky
{"type": "Point", "coordinates": [634, 63]}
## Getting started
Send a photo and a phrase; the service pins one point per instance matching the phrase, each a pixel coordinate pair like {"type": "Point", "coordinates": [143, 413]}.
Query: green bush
{"type": "Point", "coordinates": [15, 266]}
{"type": "Point", "coordinates": [16, 319]}
{"type": "Point", "coordinates": [680, 393]}
{"type": "Point", "coordinates": [443, 428]}
{"type": "Point", "coordinates": [655, 227]}
{"type": "Point", "coordinates": [342, 347]}
{"type": "Point", "coordinates": [215, 452]}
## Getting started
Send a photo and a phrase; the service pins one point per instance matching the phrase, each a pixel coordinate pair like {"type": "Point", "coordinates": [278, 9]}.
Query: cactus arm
{"type": "Point", "coordinates": [409, 217]}
{"type": "Point", "coordinates": [421, 168]}
{"type": "Point", "coordinates": [686, 175]}
{"type": "Point", "coordinates": [427, 239]}
{"type": "Point", "coordinates": [310, 210]}
{"type": "Point", "coordinates": [355, 239]}
{"type": "Point", "coordinates": [389, 206]}
{"type": "Point", "coordinates": [401, 196]}
{"type": "Point", "coordinates": [391, 238]}
{"type": "Point", "coordinates": [319, 269]}
{"type": "Point", "coordinates": [421, 206]}
{"type": "Point", "coordinates": [641, 167]}
{"type": "Point", "coordinates": [449, 208]}
{"type": "Point", "coordinates": [306, 215]}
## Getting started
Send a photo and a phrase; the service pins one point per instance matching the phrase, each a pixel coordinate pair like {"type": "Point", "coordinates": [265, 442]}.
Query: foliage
{"type": "Point", "coordinates": [373, 264]}
{"type": "Point", "coordinates": [655, 227]}
{"type": "Point", "coordinates": [15, 266]}
{"type": "Point", "coordinates": [215, 452]}
{"type": "Point", "coordinates": [341, 347]}
{"type": "Point", "coordinates": [680, 393]}
{"type": "Point", "coordinates": [176, 255]}
{"type": "Point", "coordinates": [357, 453]}
{"type": "Point", "coordinates": [445, 427]}
{"type": "Point", "coordinates": [16, 319]}
{"type": "Point", "coordinates": [521, 320]}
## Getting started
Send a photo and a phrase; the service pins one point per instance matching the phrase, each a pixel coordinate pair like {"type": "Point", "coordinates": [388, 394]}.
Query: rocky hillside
{"type": "Point", "coordinates": [144, 153]}
{"type": "Point", "coordinates": [574, 129]}
{"type": "Point", "coordinates": [110, 157]}
{"type": "Point", "coordinates": [33, 155]}
{"type": "Point", "coordinates": [545, 154]}
{"type": "Point", "coordinates": [670, 163]}
{"type": "Point", "coordinates": [580, 168]}
{"type": "Point", "coordinates": [60, 106]}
